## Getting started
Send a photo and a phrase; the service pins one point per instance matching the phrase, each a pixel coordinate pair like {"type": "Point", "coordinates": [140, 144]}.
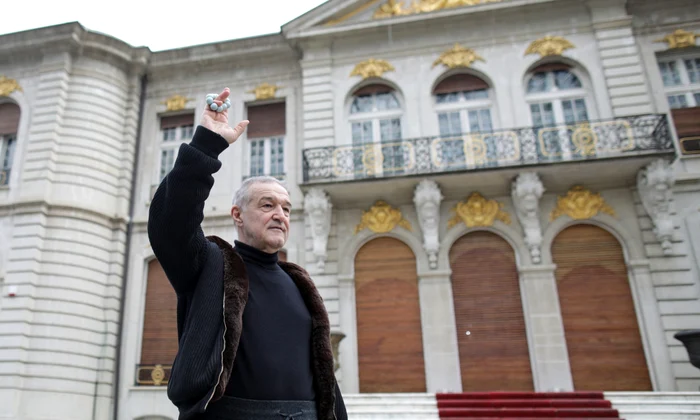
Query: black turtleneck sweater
{"type": "Point", "coordinates": [273, 361]}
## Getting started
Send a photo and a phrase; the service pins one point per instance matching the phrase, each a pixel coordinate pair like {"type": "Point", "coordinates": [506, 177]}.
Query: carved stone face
{"type": "Point", "coordinates": [318, 220]}
{"type": "Point", "coordinates": [429, 215]}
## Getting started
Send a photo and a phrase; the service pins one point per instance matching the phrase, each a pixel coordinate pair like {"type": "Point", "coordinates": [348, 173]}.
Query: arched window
{"type": "Point", "coordinates": [463, 105]}
{"type": "Point", "coordinates": [375, 115]}
{"type": "Point", "coordinates": [375, 119]}
{"type": "Point", "coordinates": [9, 122]}
{"type": "Point", "coordinates": [556, 96]}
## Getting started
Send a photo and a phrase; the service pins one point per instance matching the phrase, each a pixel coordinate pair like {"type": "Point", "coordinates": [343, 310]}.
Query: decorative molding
{"type": "Point", "coordinates": [382, 218]}
{"type": "Point", "coordinates": [318, 209]}
{"type": "Point", "coordinates": [265, 91]}
{"type": "Point", "coordinates": [397, 8]}
{"type": "Point", "coordinates": [7, 86]}
{"type": "Point", "coordinates": [526, 191]}
{"type": "Point", "coordinates": [427, 198]}
{"type": "Point", "coordinates": [580, 204]}
{"type": "Point", "coordinates": [549, 46]}
{"type": "Point", "coordinates": [458, 56]}
{"type": "Point", "coordinates": [679, 39]}
{"type": "Point", "coordinates": [654, 184]}
{"type": "Point", "coordinates": [176, 103]}
{"type": "Point", "coordinates": [477, 211]}
{"type": "Point", "coordinates": [371, 68]}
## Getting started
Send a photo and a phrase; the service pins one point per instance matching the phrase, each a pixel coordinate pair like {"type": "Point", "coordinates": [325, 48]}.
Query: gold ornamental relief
{"type": "Point", "coordinates": [382, 218]}
{"type": "Point", "coordinates": [549, 46]}
{"type": "Point", "coordinates": [458, 56]}
{"type": "Point", "coordinates": [176, 103]}
{"type": "Point", "coordinates": [157, 375]}
{"type": "Point", "coordinates": [265, 91]}
{"type": "Point", "coordinates": [477, 211]}
{"type": "Point", "coordinates": [679, 39]}
{"type": "Point", "coordinates": [7, 86]}
{"type": "Point", "coordinates": [371, 68]}
{"type": "Point", "coordinates": [400, 8]}
{"type": "Point", "coordinates": [580, 204]}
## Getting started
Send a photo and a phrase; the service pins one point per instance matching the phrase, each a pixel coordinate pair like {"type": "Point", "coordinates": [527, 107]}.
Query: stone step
{"type": "Point", "coordinates": [656, 405]}
{"type": "Point", "coordinates": [391, 406]}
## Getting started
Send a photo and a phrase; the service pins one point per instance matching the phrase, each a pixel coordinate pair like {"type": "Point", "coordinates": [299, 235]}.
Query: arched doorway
{"type": "Point", "coordinates": [389, 334]}
{"type": "Point", "coordinates": [600, 322]}
{"type": "Point", "coordinates": [493, 348]}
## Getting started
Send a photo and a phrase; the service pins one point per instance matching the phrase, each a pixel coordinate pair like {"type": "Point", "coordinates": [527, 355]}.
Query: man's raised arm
{"type": "Point", "coordinates": [177, 208]}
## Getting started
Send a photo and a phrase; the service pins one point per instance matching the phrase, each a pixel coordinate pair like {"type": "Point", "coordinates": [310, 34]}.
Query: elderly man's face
{"type": "Point", "coordinates": [263, 222]}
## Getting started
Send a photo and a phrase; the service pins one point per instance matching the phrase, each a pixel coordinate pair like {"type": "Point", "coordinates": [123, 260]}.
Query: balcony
{"type": "Point", "coordinates": [515, 148]}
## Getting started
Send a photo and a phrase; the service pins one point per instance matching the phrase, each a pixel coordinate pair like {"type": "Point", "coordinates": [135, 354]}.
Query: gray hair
{"type": "Point", "coordinates": [242, 197]}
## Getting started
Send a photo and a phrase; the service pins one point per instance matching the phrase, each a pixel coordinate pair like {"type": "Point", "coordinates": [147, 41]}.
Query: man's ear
{"type": "Point", "coordinates": [236, 215]}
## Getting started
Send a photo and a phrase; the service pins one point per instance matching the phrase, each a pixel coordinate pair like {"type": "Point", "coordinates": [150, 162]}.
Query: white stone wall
{"type": "Point", "coordinates": [68, 203]}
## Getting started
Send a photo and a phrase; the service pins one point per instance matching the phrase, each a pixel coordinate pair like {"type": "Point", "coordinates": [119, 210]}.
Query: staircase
{"type": "Point", "coordinates": [525, 405]}
{"type": "Point", "coordinates": [656, 405]}
{"type": "Point", "coordinates": [391, 406]}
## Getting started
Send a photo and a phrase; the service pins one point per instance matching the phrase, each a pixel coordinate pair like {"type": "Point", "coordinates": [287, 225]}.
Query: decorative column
{"type": "Point", "coordinates": [427, 198]}
{"type": "Point", "coordinates": [550, 358]}
{"type": "Point", "coordinates": [318, 210]}
{"type": "Point", "coordinates": [654, 184]}
{"type": "Point", "coordinates": [526, 192]}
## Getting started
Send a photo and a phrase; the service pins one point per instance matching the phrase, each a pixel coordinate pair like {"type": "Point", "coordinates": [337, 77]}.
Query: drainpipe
{"type": "Point", "coordinates": [127, 250]}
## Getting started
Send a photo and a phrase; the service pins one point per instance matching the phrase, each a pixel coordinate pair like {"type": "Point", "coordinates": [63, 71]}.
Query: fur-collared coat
{"type": "Point", "coordinates": [211, 284]}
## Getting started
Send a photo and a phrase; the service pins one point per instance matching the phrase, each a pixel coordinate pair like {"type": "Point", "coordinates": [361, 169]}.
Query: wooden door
{"type": "Point", "coordinates": [493, 349]}
{"type": "Point", "coordinates": [600, 322]}
{"type": "Point", "coordinates": [389, 334]}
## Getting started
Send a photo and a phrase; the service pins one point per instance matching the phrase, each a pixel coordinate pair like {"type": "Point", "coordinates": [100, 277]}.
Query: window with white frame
{"type": "Point", "coordinates": [375, 120]}
{"type": "Point", "coordinates": [174, 130]}
{"type": "Point", "coordinates": [681, 77]}
{"type": "Point", "coordinates": [556, 95]}
{"type": "Point", "coordinates": [463, 105]}
{"type": "Point", "coordinates": [266, 139]}
{"type": "Point", "coordinates": [9, 123]}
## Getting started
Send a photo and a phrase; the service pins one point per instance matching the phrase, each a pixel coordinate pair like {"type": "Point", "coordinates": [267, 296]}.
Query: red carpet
{"type": "Point", "coordinates": [525, 406]}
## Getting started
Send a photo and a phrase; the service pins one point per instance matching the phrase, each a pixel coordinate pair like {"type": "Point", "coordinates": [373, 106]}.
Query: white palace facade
{"type": "Point", "coordinates": [491, 195]}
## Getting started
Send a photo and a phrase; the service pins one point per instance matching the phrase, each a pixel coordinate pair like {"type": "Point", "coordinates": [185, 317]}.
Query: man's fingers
{"type": "Point", "coordinates": [223, 95]}
{"type": "Point", "coordinates": [240, 127]}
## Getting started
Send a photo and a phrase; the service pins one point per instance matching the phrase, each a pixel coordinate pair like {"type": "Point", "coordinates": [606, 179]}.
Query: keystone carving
{"type": "Point", "coordinates": [654, 184]}
{"type": "Point", "coordinates": [427, 199]}
{"type": "Point", "coordinates": [318, 210]}
{"type": "Point", "coordinates": [527, 189]}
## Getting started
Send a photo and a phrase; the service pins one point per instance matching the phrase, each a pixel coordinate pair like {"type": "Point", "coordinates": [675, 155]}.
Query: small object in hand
{"type": "Point", "coordinates": [218, 108]}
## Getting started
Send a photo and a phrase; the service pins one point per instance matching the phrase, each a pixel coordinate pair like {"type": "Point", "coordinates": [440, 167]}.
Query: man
{"type": "Point", "coordinates": [254, 335]}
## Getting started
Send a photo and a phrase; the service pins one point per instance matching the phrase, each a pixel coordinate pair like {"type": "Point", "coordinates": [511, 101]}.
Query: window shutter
{"type": "Point", "coordinates": [176, 121]}
{"type": "Point", "coordinates": [460, 83]}
{"type": "Point", "coordinates": [9, 118]}
{"type": "Point", "coordinates": [159, 344]}
{"type": "Point", "coordinates": [544, 68]}
{"type": "Point", "coordinates": [373, 89]}
{"type": "Point", "coordinates": [267, 120]}
{"type": "Point", "coordinates": [687, 122]}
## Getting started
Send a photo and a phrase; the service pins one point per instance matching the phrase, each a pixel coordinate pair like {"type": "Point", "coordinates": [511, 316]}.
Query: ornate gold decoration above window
{"type": "Point", "coordinates": [458, 56]}
{"type": "Point", "coordinates": [478, 211]}
{"type": "Point", "coordinates": [382, 218]}
{"type": "Point", "coordinates": [397, 8]}
{"type": "Point", "coordinates": [152, 375]}
{"type": "Point", "coordinates": [371, 68]}
{"type": "Point", "coordinates": [580, 204]}
{"type": "Point", "coordinates": [176, 103]}
{"type": "Point", "coordinates": [549, 46]}
{"type": "Point", "coordinates": [265, 91]}
{"type": "Point", "coordinates": [679, 39]}
{"type": "Point", "coordinates": [7, 86]}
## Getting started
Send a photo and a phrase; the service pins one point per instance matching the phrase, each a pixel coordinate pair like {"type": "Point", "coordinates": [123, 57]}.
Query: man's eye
{"type": "Point", "coordinates": [267, 206]}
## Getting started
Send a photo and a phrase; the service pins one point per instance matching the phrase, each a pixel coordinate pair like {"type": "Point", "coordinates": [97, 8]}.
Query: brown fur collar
{"type": "Point", "coordinates": [235, 299]}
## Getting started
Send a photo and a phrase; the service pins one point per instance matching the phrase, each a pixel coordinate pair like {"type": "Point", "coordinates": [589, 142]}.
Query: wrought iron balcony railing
{"type": "Point", "coordinates": [619, 137]}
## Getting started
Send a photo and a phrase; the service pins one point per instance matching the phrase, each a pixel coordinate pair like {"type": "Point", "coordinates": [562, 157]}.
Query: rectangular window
{"type": "Point", "coordinates": [693, 67]}
{"type": "Point", "coordinates": [574, 111]}
{"type": "Point", "coordinates": [450, 124]}
{"type": "Point", "coordinates": [542, 114]}
{"type": "Point", "coordinates": [266, 135]}
{"type": "Point", "coordinates": [175, 129]}
{"type": "Point", "coordinates": [669, 73]}
{"type": "Point", "coordinates": [677, 101]}
{"type": "Point", "coordinates": [480, 121]}
{"type": "Point", "coordinates": [7, 152]}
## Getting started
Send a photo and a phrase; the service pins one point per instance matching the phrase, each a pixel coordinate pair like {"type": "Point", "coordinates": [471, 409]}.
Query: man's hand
{"type": "Point", "coordinates": [218, 121]}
